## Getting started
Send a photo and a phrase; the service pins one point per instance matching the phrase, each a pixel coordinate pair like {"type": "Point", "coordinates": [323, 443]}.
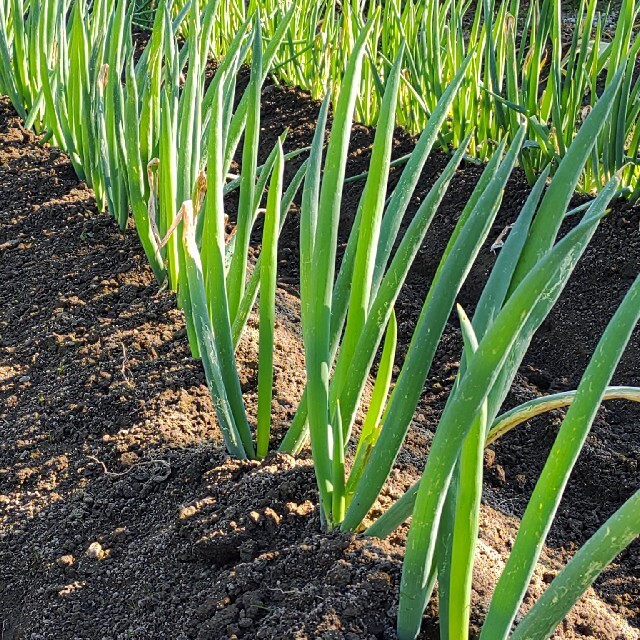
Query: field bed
{"type": "Point", "coordinates": [109, 433]}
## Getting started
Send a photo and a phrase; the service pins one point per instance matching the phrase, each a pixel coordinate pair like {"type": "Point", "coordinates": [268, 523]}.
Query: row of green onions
{"type": "Point", "coordinates": [521, 64]}
{"type": "Point", "coordinates": [156, 141]}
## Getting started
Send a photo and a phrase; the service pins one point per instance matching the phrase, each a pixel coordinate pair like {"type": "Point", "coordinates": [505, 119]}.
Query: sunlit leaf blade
{"type": "Point", "coordinates": [615, 535]}
{"type": "Point", "coordinates": [318, 324]}
{"type": "Point", "coordinates": [520, 316]}
{"type": "Point", "coordinates": [550, 487]}
{"type": "Point", "coordinates": [213, 254]}
{"type": "Point", "coordinates": [268, 271]}
{"type": "Point", "coordinates": [465, 524]}
{"type": "Point", "coordinates": [371, 426]}
{"type": "Point", "coordinates": [204, 332]}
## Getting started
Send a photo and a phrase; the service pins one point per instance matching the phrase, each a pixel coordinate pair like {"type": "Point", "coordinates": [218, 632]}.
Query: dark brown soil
{"type": "Point", "coordinates": [122, 517]}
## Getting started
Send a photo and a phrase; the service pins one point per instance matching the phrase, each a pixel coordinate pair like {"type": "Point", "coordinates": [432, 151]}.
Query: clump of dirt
{"type": "Point", "coordinates": [122, 517]}
{"type": "Point", "coordinates": [281, 576]}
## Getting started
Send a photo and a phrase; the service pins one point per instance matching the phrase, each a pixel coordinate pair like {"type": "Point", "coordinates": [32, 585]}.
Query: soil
{"type": "Point", "coordinates": [121, 515]}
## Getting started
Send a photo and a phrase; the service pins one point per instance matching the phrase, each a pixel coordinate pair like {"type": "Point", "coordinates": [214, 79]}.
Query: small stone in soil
{"type": "Point", "coordinates": [65, 561]}
{"type": "Point", "coordinates": [95, 551]}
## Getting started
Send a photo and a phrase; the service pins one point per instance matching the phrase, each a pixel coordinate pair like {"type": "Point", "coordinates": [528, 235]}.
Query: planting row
{"type": "Point", "coordinates": [153, 137]}
{"type": "Point", "coordinates": [522, 62]}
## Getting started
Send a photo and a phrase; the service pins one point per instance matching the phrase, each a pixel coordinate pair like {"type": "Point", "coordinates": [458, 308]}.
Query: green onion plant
{"type": "Point", "coordinates": [527, 280]}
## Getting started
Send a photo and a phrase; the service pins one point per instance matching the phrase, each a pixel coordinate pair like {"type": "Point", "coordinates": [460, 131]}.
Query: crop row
{"type": "Point", "coordinates": [526, 59]}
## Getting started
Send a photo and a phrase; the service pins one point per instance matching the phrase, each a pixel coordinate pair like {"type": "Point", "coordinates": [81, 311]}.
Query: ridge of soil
{"type": "Point", "coordinates": [122, 517]}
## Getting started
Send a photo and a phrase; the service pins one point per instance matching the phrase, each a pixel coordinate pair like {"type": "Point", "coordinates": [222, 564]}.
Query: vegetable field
{"type": "Point", "coordinates": [319, 320]}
